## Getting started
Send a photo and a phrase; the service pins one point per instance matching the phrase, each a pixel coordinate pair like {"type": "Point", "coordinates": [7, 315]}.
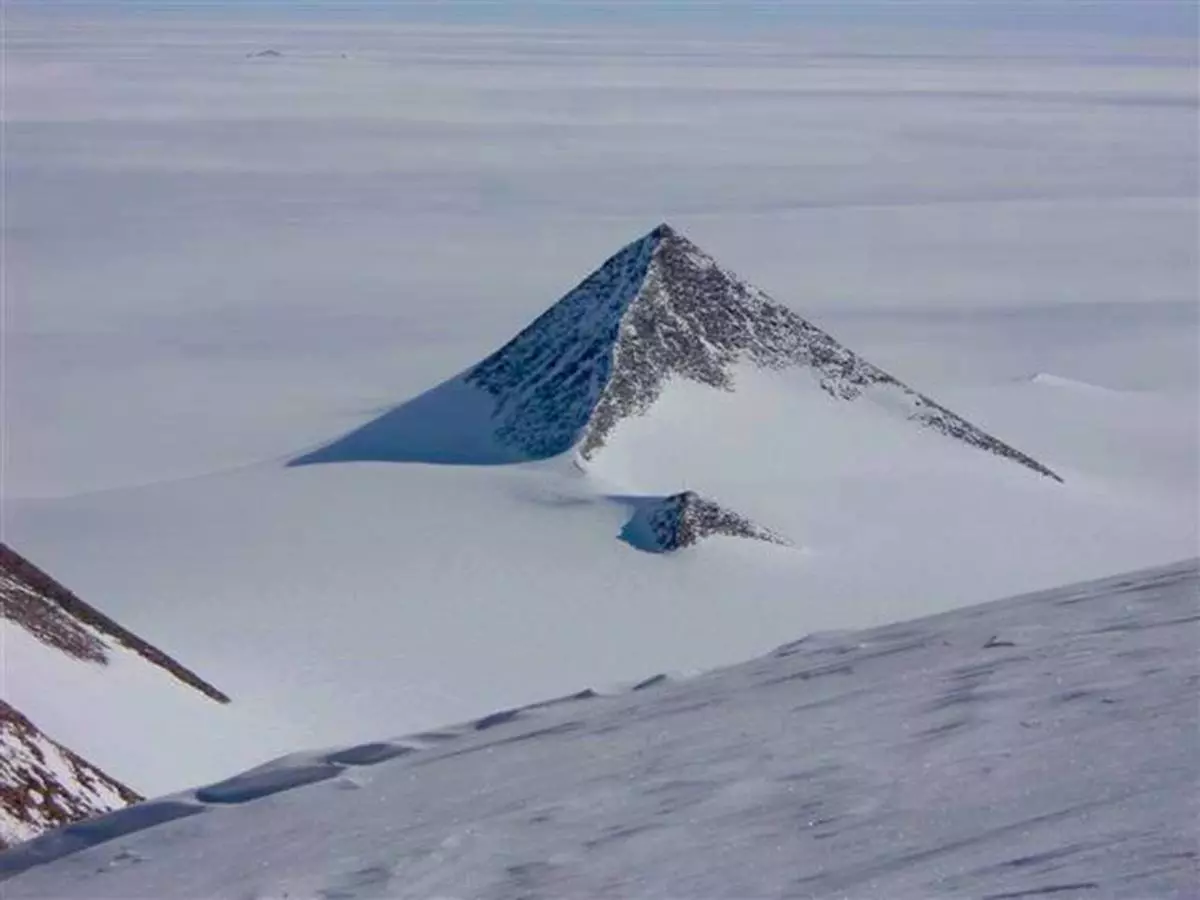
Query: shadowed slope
{"type": "Point", "coordinates": [531, 399]}
{"type": "Point", "coordinates": [448, 425]}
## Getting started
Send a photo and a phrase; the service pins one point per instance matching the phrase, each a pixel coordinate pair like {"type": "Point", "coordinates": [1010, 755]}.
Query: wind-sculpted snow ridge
{"type": "Point", "coordinates": [659, 309]}
{"type": "Point", "coordinates": [58, 618]}
{"type": "Point", "coordinates": [1039, 745]}
{"type": "Point", "coordinates": [43, 785]}
{"type": "Point", "coordinates": [275, 777]}
{"type": "Point", "coordinates": [665, 524]}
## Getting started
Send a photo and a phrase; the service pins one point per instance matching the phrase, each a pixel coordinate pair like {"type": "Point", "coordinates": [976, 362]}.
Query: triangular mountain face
{"type": "Point", "coordinates": [659, 310]}
{"type": "Point", "coordinates": [665, 524]}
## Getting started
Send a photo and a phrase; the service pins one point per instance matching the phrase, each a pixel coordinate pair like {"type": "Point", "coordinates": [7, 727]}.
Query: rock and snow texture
{"type": "Point", "coordinates": [664, 524]}
{"type": "Point", "coordinates": [659, 309]}
{"type": "Point", "coordinates": [56, 617]}
{"type": "Point", "coordinates": [43, 785]}
{"type": "Point", "coordinates": [1041, 745]}
{"type": "Point", "coordinates": [69, 669]}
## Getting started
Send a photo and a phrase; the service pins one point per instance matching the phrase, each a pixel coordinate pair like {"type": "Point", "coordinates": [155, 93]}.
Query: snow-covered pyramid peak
{"type": "Point", "coordinates": [658, 310]}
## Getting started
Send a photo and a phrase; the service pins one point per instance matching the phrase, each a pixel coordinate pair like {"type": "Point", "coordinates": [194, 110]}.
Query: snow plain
{"type": "Point", "coordinates": [1036, 746]}
{"type": "Point", "coordinates": [215, 263]}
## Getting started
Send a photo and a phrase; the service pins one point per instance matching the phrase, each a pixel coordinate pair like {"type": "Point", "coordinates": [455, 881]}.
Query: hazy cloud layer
{"type": "Point", "coordinates": [173, 203]}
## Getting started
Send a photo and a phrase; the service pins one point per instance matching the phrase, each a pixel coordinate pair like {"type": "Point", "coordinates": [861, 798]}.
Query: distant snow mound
{"type": "Point", "coordinates": [1048, 379]}
{"type": "Point", "coordinates": [43, 785]}
{"type": "Point", "coordinates": [657, 310]}
{"type": "Point", "coordinates": [664, 524]}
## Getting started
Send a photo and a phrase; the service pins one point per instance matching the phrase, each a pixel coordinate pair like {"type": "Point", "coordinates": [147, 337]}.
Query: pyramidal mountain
{"type": "Point", "coordinates": [660, 310]}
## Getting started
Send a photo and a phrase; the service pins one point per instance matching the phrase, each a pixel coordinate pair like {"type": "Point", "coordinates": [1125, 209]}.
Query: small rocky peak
{"type": "Point", "coordinates": [666, 524]}
{"type": "Point", "coordinates": [663, 232]}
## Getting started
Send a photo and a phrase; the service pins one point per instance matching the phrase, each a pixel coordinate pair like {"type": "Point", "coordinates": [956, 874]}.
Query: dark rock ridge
{"type": "Point", "coordinates": [664, 524]}
{"type": "Point", "coordinates": [662, 308]}
{"type": "Point", "coordinates": [43, 785]}
{"type": "Point", "coordinates": [56, 617]}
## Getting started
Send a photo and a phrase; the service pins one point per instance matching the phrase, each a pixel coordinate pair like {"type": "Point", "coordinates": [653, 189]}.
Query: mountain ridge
{"type": "Point", "coordinates": [32, 599]}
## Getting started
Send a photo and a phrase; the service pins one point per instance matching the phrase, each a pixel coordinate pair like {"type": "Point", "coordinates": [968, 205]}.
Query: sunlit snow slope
{"type": "Point", "coordinates": [1041, 745]}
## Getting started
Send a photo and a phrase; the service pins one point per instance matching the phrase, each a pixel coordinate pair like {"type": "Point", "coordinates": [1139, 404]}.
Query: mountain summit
{"type": "Point", "coordinates": [658, 310]}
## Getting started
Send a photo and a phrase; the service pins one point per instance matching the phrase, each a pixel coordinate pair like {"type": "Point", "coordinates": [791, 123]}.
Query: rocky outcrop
{"type": "Point", "coordinates": [43, 785]}
{"type": "Point", "coordinates": [665, 524]}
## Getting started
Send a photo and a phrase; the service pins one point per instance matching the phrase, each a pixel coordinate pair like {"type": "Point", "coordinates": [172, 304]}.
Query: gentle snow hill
{"type": "Point", "coordinates": [1041, 745]}
{"type": "Point", "coordinates": [432, 567]}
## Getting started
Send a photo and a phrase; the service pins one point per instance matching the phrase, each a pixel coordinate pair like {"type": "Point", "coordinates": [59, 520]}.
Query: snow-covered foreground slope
{"type": "Point", "coordinates": [1046, 744]}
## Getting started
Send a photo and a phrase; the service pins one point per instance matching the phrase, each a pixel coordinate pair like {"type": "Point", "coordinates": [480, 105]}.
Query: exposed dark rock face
{"type": "Point", "coordinates": [43, 785]}
{"type": "Point", "coordinates": [682, 520]}
{"type": "Point", "coordinates": [55, 616]}
{"type": "Point", "coordinates": [661, 309]}
{"type": "Point", "coordinates": [547, 380]}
